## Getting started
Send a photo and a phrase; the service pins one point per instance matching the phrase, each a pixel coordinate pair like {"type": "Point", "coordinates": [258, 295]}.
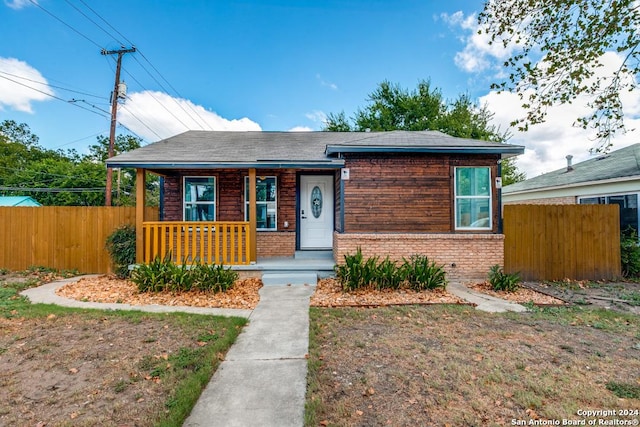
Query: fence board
{"type": "Point", "coordinates": [554, 242]}
{"type": "Point", "coordinates": [62, 237]}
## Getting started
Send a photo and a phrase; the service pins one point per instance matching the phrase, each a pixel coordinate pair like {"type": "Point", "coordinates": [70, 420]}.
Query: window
{"type": "Point", "coordinates": [199, 198]}
{"type": "Point", "coordinates": [266, 202]}
{"type": "Point", "coordinates": [473, 198]}
{"type": "Point", "coordinates": [628, 207]}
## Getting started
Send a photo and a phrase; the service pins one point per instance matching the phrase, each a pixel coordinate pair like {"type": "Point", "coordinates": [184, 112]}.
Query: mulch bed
{"type": "Point", "coordinates": [110, 289]}
{"type": "Point", "coordinates": [329, 294]}
{"type": "Point", "coordinates": [522, 295]}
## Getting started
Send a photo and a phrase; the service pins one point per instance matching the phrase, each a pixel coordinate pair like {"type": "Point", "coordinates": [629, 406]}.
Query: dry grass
{"type": "Point", "coordinates": [452, 365]}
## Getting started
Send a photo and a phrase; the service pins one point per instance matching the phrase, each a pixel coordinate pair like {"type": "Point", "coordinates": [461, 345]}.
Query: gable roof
{"type": "Point", "coordinates": [18, 201]}
{"type": "Point", "coordinates": [215, 149]}
{"type": "Point", "coordinates": [619, 164]}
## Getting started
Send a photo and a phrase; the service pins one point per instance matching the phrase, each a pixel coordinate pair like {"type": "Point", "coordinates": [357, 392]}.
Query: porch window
{"type": "Point", "coordinates": [266, 202]}
{"type": "Point", "coordinates": [473, 198]}
{"type": "Point", "coordinates": [199, 198]}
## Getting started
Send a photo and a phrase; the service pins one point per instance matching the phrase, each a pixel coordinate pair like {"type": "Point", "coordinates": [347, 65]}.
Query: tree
{"type": "Point", "coordinates": [569, 38]}
{"type": "Point", "coordinates": [391, 107]}
{"type": "Point", "coordinates": [123, 143]}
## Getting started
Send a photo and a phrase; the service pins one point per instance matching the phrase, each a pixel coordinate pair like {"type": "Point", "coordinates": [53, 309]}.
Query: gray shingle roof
{"type": "Point", "coordinates": [621, 163]}
{"type": "Point", "coordinates": [213, 148]}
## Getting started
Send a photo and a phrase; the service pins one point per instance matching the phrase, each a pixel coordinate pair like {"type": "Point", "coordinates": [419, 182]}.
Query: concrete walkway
{"type": "Point", "coordinates": [46, 294]}
{"type": "Point", "coordinates": [483, 302]}
{"type": "Point", "coordinates": [262, 381]}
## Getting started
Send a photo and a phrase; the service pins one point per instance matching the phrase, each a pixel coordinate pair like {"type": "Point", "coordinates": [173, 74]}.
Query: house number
{"type": "Point", "coordinates": [316, 201]}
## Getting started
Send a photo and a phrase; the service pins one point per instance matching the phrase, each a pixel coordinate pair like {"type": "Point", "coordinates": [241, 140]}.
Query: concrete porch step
{"type": "Point", "coordinates": [289, 278]}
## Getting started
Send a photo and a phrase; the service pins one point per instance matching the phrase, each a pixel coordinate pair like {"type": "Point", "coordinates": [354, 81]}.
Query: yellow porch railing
{"type": "Point", "coordinates": [227, 243]}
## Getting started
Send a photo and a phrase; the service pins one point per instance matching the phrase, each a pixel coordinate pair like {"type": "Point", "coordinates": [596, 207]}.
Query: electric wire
{"type": "Point", "coordinates": [53, 86]}
{"type": "Point", "coordinates": [52, 96]}
{"type": "Point", "coordinates": [92, 21]}
{"type": "Point", "coordinates": [124, 107]}
{"type": "Point", "coordinates": [35, 3]}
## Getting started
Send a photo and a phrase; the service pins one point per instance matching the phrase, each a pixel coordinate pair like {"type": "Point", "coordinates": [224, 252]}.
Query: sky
{"type": "Point", "coordinates": [271, 65]}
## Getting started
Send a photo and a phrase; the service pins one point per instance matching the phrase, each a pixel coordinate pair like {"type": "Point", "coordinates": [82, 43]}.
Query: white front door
{"type": "Point", "coordinates": [316, 211]}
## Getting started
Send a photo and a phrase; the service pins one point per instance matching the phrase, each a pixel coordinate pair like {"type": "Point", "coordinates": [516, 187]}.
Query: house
{"type": "Point", "coordinates": [612, 178]}
{"type": "Point", "coordinates": [243, 196]}
{"type": "Point", "coordinates": [18, 201]}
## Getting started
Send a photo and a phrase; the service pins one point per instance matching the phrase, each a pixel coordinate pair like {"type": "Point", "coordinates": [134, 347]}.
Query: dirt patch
{"type": "Point", "coordinates": [454, 366]}
{"type": "Point", "coordinates": [618, 296]}
{"type": "Point", "coordinates": [109, 289]}
{"type": "Point", "coordinates": [88, 370]}
{"type": "Point", "coordinates": [522, 296]}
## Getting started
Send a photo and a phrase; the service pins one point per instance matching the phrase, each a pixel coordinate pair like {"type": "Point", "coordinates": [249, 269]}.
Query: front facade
{"type": "Point", "coordinates": [612, 178]}
{"type": "Point", "coordinates": [391, 194]}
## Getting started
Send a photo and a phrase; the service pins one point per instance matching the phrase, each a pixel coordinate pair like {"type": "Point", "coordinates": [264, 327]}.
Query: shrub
{"type": "Point", "coordinates": [213, 278]}
{"type": "Point", "coordinates": [423, 274]}
{"type": "Point", "coordinates": [355, 272]}
{"type": "Point", "coordinates": [630, 253]}
{"type": "Point", "coordinates": [418, 273]}
{"type": "Point", "coordinates": [165, 275]}
{"type": "Point", "coordinates": [121, 245]}
{"type": "Point", "coordinates": [501, 281]}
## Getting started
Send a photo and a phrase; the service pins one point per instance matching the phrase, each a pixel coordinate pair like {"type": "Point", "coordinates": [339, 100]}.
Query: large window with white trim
{"type": "Point", "coordinates": [266, 202]}
{"type": "Point", "coordinates": [199, 198]}
{"type": "Point", "coordinates": [473, 198]}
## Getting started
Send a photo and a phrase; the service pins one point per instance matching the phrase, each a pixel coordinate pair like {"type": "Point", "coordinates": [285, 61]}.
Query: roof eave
{"type": "Point", "coordinates": [504, 151]}
{"type": "Point", "coordinates": [260, 164]}
{"type": "Point", "coordinates": [572, 185]}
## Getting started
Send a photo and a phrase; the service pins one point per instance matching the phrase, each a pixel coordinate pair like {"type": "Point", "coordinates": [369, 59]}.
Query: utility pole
{"type": "Point", "coordinates": [114, 110]}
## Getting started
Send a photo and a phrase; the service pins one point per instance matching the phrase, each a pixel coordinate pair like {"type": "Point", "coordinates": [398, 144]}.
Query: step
{"type": "Point", "coordinates": [289, 278]}
{"type": "Point", "coordinates": [315, 255]}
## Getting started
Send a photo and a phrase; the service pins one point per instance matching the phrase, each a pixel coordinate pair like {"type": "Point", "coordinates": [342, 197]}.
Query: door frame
{"type": "Point", "coordinates": [298, 219]}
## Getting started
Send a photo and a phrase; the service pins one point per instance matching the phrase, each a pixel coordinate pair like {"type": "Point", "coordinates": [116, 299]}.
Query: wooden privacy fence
{"type": "Point", "coordinates": [554, 242]}
{"type": "Point", "coordinates": [62, 237]}
{"type": "Point", "coordinates": [226, 243]}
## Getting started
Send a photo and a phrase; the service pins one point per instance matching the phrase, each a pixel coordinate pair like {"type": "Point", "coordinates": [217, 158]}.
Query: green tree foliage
{"type": "Point", "coordinates": [391, 107]}
{"type": "Point", "coordinates": [557, 55]}
{"type": "Point", "coordinates": [59, 178]}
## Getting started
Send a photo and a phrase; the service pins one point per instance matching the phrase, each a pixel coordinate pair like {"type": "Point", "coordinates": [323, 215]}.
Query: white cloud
{"type": "Point", "coordinates": [323, 82]}
{"type": "Point", "coordinates": [478, 54]}
{"type": "Point", "coordinates": [317, 116]}
{"type": "Point", "coordinates": [300, 129]}
{"type": "Point", "coordinates": [18, 4]}
{"type": "Point", "coordinates": [547, 144]}
{"type": "Point", "coordinates": [157, 115]}
{"type": "Point", "coordinates": [20, 85]}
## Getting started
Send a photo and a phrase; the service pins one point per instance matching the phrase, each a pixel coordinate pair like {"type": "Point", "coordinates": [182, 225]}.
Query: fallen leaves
{"type": "Point", "coordinates": [522, 295]}
{"type": "Point", "coordinates": [329, 294]}
{"type": "Point", "coordinates": [109, 289]}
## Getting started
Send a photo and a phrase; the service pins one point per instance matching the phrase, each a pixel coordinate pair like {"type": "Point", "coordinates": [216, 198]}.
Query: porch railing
{"type": "Point", "coordinates": [226, 243]}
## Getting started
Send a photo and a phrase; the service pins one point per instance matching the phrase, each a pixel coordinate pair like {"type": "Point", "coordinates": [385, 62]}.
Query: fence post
{"type": "Point", "coordinates": [140, 202]}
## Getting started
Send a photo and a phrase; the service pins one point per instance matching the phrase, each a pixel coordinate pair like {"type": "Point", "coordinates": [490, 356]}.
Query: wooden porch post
{"type": "Point", "coordinates": [253, 223]}
{"type": "Point", "coordinates": [140, 203]}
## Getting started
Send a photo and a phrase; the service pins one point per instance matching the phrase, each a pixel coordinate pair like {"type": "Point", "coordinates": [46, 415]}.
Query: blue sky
{"type": "Point", "coordinates": [248, 65]}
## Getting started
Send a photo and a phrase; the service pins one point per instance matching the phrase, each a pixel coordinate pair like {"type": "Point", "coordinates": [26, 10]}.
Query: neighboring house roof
{"type": "Point", "coordinates": [207, 149]}
{"type": "Point", "coordinates": [622, 164]}
{"type": "Point", "coordinates": [18, 201]}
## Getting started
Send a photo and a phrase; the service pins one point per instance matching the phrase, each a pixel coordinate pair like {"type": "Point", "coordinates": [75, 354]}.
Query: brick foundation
{"type": "Point", "coordinates": [464, 256]}
{"type": "Point", "coordinates": [276, 244]}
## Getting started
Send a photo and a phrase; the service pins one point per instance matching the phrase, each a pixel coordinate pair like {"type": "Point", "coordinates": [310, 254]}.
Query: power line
{"type": "Point", "coordinates": [92, 21]}
{"type": "Point", "coordinates": [35, 3]}
{"type": "Point", "coordinates": [53, 86]}
{"type": "Point", "coordinates": [124, 107]}
{"type": "Point", "coordinates": [55, 190]}
{"type": "Point", "coordinates": [50, 95]}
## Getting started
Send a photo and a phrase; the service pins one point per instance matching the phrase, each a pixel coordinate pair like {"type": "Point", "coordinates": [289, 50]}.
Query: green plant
{"type": "Point", "coordinates": [165, 275]}
{"type": "Point", "coordinates": [624, 390]}
{"type": "Point", "coordinates": [213, 278]}
{"type": "Point", "coordinates": [355, 272]}
{"type": "Point", "coordinates": [388, 275]}
{"type": "Point", "coordinates": [630, 253]}
{"type": "Point", "coordinates": [421, 274]}
{"type": "Point", "coordinates": [501, 281]}
{"type": "Point", "coordinates": [121, 245]}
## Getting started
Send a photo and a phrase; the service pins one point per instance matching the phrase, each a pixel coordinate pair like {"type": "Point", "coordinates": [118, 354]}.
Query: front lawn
{"type": "Point", "coordinates": [455, 366]}
{"type": "Point", "coordinates": [61, 366]}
